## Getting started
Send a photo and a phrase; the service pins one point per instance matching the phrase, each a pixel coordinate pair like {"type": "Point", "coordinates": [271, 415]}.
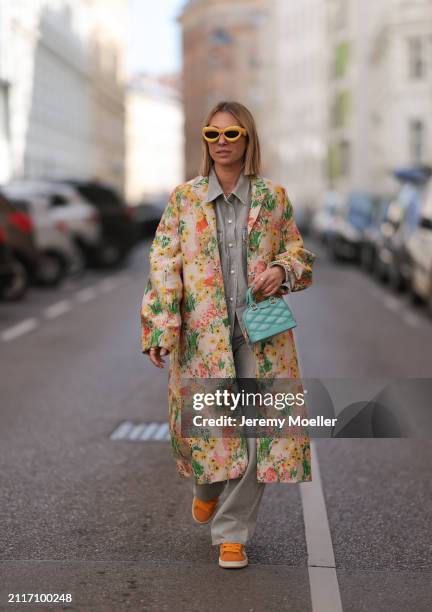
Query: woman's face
{"type": "Point", "coordinates": [223, 152]}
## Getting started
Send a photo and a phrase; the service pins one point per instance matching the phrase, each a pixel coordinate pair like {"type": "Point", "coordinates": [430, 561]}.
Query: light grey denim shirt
{"type": "Point", "coordinates": [232, 213]}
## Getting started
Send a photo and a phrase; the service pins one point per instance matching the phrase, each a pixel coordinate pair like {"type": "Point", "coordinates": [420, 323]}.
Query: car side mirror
{"type": "Point", "coordinates": [426, 223]}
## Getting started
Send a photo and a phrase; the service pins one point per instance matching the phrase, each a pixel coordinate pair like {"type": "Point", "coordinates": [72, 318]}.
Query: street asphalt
{"type": "Point", "coordinates": [109, 521]}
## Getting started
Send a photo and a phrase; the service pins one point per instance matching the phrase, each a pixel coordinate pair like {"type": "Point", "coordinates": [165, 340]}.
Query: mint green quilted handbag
{"type": "Point", "coordinates": [267, 318]}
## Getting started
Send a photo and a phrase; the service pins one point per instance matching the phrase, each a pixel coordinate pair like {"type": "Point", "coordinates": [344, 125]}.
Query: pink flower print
{"type": "Point", "coordinates": [271, 475]}
{"type": "Point", "coordinates": [235, 472]}
{"type": "Point", "coordinates": [220, 459]}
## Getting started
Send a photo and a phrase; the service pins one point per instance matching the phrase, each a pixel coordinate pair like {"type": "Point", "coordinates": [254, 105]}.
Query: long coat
{"type": "Point", "coordinates": [184, 310]}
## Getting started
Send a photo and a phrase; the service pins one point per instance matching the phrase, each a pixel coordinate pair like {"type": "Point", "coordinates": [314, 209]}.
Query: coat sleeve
{"type": "Point", "coordinates": [292, 256]}
{"type": "Point", "coordinates": [160, 307]}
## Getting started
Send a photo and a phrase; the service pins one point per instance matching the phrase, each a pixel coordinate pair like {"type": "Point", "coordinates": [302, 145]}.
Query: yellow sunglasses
{"type": "Point", "coordinates": [231, 133]}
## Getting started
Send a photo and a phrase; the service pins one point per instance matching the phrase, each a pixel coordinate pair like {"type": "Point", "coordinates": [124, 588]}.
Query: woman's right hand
{"type": "Point", "coordinates": [155, 354]}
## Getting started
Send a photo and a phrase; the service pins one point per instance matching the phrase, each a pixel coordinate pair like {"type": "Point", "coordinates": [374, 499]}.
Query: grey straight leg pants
{"type": "Point", "coordinates": [236, 514]}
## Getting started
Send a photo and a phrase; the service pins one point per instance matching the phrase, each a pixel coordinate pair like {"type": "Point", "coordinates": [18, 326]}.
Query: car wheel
{"type": "Point", "coordinates": [335, 250]}
{"type": "Point", "coordinates": [17, 287]}
{"type": "Point", "coordinates": [380, 271]}
{"type": "Point", "coordinates": [109, 254]}
{"type": "Point", "coordinates": [51, 269]}
{"type": "Point", "coordinates": [77, 264]}
{"type": "Point", "coordinates": [415, 298]}
{"type": "Point", "coordinates": [395, 279]}
{"type": "Point", "coordinates": [367, 258]}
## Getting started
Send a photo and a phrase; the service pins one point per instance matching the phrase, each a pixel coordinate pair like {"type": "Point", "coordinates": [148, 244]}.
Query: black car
{"type": "Point", "coordinates": [119, 230]}
{"type": "Point", "coordinates": [147, 216]}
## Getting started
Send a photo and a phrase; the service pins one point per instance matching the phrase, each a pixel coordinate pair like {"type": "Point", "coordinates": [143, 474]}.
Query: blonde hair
{"type": "Point", "coordinates": [252, 156]}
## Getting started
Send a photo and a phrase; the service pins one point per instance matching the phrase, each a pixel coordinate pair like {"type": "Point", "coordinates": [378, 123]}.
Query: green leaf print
{"type": "Point", "coordinates": [155, 337]}
{"type": "Point", "coordinates": [264, 447]}
{"type": "Point", "coordinates": [182, 226]}
{"type": "Point", "coordinates": [266, 365]}
{"type": "Point", "coordinates": [173, 307]}
{"type": "Point", "coordinates": [269, 203]}
{"type": "Point", "coordinates": [255, 239]}
{"type": "Point", "coordinates": [197, 468]}
{"type": "Point", "coordinates": [190, 302]}
{"type": "Point", "coordinates": [287, 212]}
{"type": "Point", "coordinates": [306, 468]}
{"type": "Point", "coordinates": [165, 241]}
{"type": "Point", "coordinates": [156, 307]}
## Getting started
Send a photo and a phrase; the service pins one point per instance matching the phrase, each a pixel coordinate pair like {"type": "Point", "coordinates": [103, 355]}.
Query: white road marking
{"type": "Point", "coordinates": [122, 430]}
{"type": "Point", "coordinates": [136, 431]}
{"type": "Point", "coordinates": [57, 309]}
{"type": "Point", "coordinates": [141, 431]}
{"type": "Point", "coordinates": [149, 431]}
{"type": "Point", "coordinates": [162, 432]}
{"type": "Point", "coordinates": [392, 303]}
{"type": "Point", "coordinates": [323, 580]}
{"type": "Point", "coordinates": [19, 330]}
{"type": "Point", "coordinates": [411, 319]}
{"type": "Point", "coordinates": [107, 284]}
{"type": "Point", "coordinates": [85, 295]}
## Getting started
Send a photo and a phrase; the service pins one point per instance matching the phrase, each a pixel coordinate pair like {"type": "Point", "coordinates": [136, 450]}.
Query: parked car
{"type": "Point", "coordinates": [393, 261]}
{"type": "Point", "coordinates": [68, 211]}
{"type": "Point", "coordinates": [59, 254]}
{"type": "Point", "coordinates": [147, 216]}
{"type": "Point", "coordinates": [323, 221]}
{"type": "Point", "coordinates": [419, 247]}
{"type": "Point", "coordinates": [350, 224]}
{"type": "Point", "coordinates": [20, 255]}
{"type": "Point", "coordinates": [119, 231]}
{"type": "Point", "coordinates": [6, 264]}
{"type": "Point", "coordinates": [372, 235]}
{"type": "Point", "coordinates": [303, 218]}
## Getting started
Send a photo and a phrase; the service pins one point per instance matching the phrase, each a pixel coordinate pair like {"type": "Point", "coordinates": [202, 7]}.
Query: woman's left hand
{"type": "Point", "coordinates": [269, 281]}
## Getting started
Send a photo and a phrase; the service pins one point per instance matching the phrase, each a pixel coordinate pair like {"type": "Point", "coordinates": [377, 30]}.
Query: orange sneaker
{"type": "Point", "coordinates": [202, 511]}
{"type": "Point", "coordinates": [232, 555]}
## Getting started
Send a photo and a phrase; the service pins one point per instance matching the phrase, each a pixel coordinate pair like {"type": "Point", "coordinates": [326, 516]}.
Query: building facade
{"type": "Point", "coordinates": [62, 112]}
{"type": "Point", "coordinates": [294, 109]}
{"type": "Point", "coordinates": [380, 84]}
{"type": "Point", "coordinates": [155, 138]}
{"type": "Point", "coordinates": [221, 60]}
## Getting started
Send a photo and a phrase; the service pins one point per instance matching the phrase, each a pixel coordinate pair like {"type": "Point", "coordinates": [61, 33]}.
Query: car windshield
{"type": "Point", "coordinates": [360, 208]}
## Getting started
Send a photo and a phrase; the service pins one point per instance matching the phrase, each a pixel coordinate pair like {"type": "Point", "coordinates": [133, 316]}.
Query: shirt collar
{"type": "Point", "coordinates": [241, 190]}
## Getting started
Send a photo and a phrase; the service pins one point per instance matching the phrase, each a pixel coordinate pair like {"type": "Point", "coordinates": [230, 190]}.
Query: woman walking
{"type": "Point", "coordinates": [223, 231]}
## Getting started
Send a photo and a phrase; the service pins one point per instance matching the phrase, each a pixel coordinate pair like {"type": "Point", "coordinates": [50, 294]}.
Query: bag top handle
{"type": "Point", "coordinates": [249, 296]}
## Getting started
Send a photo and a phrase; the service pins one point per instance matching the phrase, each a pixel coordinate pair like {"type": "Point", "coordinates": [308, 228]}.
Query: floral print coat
{"type": "Point", "coordinates": [184, 310]}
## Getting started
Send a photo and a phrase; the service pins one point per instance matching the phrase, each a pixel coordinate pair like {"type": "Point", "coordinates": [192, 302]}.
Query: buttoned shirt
{"type": "Point", "coordinates": [232, 213]}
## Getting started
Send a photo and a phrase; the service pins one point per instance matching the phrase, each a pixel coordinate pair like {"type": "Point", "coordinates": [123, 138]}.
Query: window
{"type": "Point", "coordinates": [342, 58]}
{"type": "Point", "coordinates": [345, 157]}
{"type": "Point", "coordinates": [342, 108]}
{"type": "Point", "coordinates": [416, 66]}
{"type": "Point", "coordinates": [4, 112]}
{"type": "Point", "coordinates": [416, 140]}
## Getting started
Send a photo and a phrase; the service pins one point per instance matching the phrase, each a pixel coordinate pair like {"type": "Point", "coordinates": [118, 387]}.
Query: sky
{"type": "Point", "coordinates": [154, 40]}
